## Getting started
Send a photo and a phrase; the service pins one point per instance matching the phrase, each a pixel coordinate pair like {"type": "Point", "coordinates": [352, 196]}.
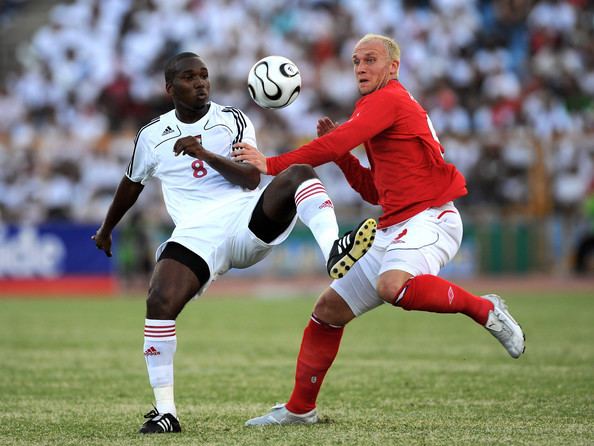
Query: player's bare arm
{"type": "Point", "coordinates": [242, 174]}
{"type": "Point", "coordinates": [250, 155]}
{"type": "Point", "coordinates": [126, 195]}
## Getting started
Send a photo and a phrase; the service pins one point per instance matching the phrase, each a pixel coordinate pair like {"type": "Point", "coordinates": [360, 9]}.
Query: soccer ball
{"type": "Point", "coordinates": [274, 82]}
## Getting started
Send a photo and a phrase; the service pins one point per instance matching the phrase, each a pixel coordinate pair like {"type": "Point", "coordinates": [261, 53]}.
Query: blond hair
{"type": "Point", "coordinates": [391, 46]}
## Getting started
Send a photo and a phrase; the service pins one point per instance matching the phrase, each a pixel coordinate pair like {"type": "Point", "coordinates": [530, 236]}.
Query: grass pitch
{"type": "Point", "coordinates": [72, 373]}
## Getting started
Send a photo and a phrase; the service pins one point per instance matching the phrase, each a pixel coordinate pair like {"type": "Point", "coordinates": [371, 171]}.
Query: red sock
{"type": "Point", "coordinates": [318, 349]}
{"type": "Point", "coordinates": [432, 293]}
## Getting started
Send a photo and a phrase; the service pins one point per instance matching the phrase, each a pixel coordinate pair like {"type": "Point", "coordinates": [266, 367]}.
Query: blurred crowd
{"type": "Point", "coordinates": [509, 87]}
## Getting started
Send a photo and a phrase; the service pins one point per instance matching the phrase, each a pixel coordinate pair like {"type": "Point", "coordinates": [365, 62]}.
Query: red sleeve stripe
{"type": "Point", "coordinates": [159, 327]}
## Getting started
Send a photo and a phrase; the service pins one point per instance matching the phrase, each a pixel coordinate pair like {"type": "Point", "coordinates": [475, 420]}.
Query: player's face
{"type": "Point", "coordinates": [373, 67]}
{"type": "Point", "coordinates": [190, 88]}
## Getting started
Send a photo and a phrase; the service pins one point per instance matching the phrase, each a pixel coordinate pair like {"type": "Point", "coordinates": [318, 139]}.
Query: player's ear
{"type": "Point", "coordinates": [168, 87]}
{"type": "Point", "coordinates": [394, 65]}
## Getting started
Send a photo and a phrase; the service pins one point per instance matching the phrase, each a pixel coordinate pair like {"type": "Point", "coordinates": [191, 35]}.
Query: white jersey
{"type": "Point", "coordinates": [191, 188]}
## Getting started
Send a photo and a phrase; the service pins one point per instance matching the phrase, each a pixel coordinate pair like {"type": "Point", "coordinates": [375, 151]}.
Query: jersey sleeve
{"type": "Point", "coordinates": [373, 114]}
{"type": "Point", "coordinates": [243, 128]}
{"type": "Point", "coordinates": [249, 133]}
{"type": "Point", "coordinates": [360, 178]}
{"type": "Point", "coordinates": [143, 163]}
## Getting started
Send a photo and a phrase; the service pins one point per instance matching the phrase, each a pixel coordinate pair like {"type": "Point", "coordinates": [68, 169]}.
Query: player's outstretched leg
{"type": "Point", "coordinates": [298, 190]}
{"type": "Point", "coordinates": [159, 423]}
{"type": "Point", "coordinates": [351, 247]}
{"type": "Point", "coordinates": [504, 327]}
{"type": "Point", "coordinates": [280, 415]}
{"type": "Point", "coordinates": [432, 293]}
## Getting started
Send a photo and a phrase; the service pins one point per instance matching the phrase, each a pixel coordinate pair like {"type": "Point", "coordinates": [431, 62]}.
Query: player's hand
{"type": "Point", "coordinates": [325, 125]}
{"type": "Point", "coordinates": [244, 152]}
{"type": "Point", "coordinates": [189, 145]}
{"type": "Point", "coordinates": [103, 241]}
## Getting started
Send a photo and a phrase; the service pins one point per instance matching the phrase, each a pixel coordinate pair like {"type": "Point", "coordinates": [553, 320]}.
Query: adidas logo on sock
{"type": "Point", "coordinates": [151, 351]}
{"type": "Point", "coordinates": [326, 204]}
{"type": "Point", "coordinates": [167, 131]}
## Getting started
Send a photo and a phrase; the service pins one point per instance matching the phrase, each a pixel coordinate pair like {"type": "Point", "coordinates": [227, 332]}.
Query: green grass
{"type": "Point", "coordinates": [72, 373]}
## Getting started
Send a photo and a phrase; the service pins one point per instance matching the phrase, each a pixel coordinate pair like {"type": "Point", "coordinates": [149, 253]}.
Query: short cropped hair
{"type": "Point", "coordinates": [171, 65]}
{"type": "Point", "coordinates": [390, 44]}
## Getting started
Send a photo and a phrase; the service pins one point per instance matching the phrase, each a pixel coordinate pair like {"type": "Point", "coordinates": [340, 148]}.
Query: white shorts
{"type": "Point", "coordinates": [224, 240]}
{"type": "Point", "coordinates": [422, 244]}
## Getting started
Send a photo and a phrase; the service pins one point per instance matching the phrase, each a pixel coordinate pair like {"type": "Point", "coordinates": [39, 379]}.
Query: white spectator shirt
{"type": "Point", "coordinates": [191, 188]}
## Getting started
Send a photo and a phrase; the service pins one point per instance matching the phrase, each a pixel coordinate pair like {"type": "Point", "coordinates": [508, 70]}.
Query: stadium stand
{"type": "Point", "coordinates": [509, 86]}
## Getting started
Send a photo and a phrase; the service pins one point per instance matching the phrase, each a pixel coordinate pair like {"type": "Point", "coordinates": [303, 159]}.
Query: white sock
{"type": "Point", "coordinates": [160, 343]}
{"type": "Point", "coordinates": [316, 211]}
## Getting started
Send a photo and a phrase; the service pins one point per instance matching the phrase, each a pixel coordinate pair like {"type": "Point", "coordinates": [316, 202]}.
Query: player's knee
{"type": "Point", "coordinates": [333, 310]}
{"type": "Point", "coordinates": [388, 289]}
{"type": "Point", "coordinates": [160, 304]}
{"type": "Point", "coordinates": [390, 283]}
{"type": "Point", "coordinates": [322, 309]}
{"type": "Point", "coordinates": [287, 182]}
{"type": "Point", "coordinates": [298, 173]}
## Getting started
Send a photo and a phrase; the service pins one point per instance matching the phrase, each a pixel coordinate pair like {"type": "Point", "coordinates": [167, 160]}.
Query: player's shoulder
{"type": "Point", "coordinates": [148, 128]}
{"type": "Point", "coordinates": [163, 126]}
{"type": "Point", "coordinates": [233, 117]}
{"type": "Point", "coordinates": [233, 113]}
{"type": "Point", "coordinates": [395, 91]}
{"type": "Point", "coordinates": [396, 95]}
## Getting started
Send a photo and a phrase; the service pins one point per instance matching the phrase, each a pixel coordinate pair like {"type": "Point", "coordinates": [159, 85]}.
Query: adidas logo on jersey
{"type": "Point", "coordinates": [167, 131]}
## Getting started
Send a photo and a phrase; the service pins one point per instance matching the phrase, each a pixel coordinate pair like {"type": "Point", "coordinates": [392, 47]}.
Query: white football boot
{"type": "Point", "coordinates": [279, 415]}
{"type": "Point", "coordinates": [503, 326]}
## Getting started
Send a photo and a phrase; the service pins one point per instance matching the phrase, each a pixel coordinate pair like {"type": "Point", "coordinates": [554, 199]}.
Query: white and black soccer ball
{"type": "Point", "coordinates": [274, 82]}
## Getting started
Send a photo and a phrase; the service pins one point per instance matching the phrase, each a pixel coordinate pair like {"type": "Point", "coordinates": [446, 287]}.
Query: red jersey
{"type": "Point", "coordinates": [407, 171]}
